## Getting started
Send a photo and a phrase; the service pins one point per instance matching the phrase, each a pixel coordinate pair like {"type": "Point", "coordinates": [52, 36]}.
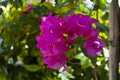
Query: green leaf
{"type": "Point", "coordinates": [2, 77]}
{"type": "Point", "coordinates": [101, 26]}
{"type": "Point", "coordinates": [85, 61]}
{"type": "Point", "coordinates": [3, 72]}
{"type": "Point", "coordinates": [105, 16]}
{"type": "Point", "coordinates": [41, 10]}
{"type": "Point", "coordinates": [4, 2]}
{"type": "Point", "coordinates": [1, 41]}
{"type": "Point", "coordinates": [6, 36]}
{"type": "Point", "coordinates": [5, 24]}
{"type": "Point", "coordinates": [1, 11]}
{"type": "Point", "coordinates": [16, 27]}
{"type": "Point", "coordinates": [48, 5]}
{"type": "Point", "coordinates": [32, 68]}
{"type": "Point", "coordinates": [56, 1]}
{"type": "Point", "coordinates": [69, 12]}
{"type": "Point", "coordinates": [62, 4]}
{"type": "Point", "coordinates": [66, 9]}
{"type": "Point", "coordinates": [18, 3]}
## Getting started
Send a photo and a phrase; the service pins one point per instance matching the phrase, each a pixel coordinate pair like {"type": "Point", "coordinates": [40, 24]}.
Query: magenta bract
{"type": "Point", "coordinates": [55, 61]}
{"type": "Point", "coordinates": [94, 47]}
{"type": "Point", "coordinates": [58, 34]}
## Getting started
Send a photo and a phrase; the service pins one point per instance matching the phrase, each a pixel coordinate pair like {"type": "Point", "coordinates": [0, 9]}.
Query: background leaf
{"type": "Point", "coordinates": [102, 27]}
{"type": "Point", "coordinates": [32, 67]}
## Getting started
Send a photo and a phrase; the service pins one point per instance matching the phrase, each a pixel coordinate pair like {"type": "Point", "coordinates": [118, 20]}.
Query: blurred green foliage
{"type": "Point", "coordinates": [19, 57]}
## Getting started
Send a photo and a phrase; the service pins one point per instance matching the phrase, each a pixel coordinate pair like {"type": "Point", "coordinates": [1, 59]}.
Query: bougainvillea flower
{"type": "Point", "coordinates": [85, 24]}
{"type": "Point", "coordinates": [49, 24]}
{"type": "Point", "coordinates": [40, 42]}
{"type": "Point", "coordinates": [92, 34]}
{"type": "Point", "coordinates": [58, 34]}
{"type": "Point", "coordinates": [56, 47]}
{"type": "Point", "coordinates": [94, 47]}
{"type": "Point", "coordinates": [70, 23]}
{"type": "Point", "coordinates": [29, 8]}
{"type": "Point", "coordinates": [79, 24]}
{"type": "Point", "coordinates": [60, 46]}
{"type": "Point", "coordinates": [71, 39]}
{"type": "Point", "coordinates": [55, 61]}
{"type": "Point", "coordinates": [86, 20]}
{"type": "Point", "coordinates": [45, 45]}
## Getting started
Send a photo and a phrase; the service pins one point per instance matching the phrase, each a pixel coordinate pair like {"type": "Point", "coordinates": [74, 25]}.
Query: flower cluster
{"type": "Point", "coordinates": [57, 35]}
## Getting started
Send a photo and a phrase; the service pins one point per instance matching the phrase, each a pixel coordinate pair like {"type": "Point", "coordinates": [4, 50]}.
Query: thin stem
{"type": "Point", "coordinates": [95, 72]}
{"type": "Point", "coordinates": [74, 63]}
{"type": "Point", "coordinates": [97, 6]}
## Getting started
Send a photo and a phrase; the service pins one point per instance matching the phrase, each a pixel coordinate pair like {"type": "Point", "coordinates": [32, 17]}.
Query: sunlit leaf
{"type": "Point", "coordinates": [48, 5]}
{"type": "Point", "coordinates": [84, 61]}
{"type": "Point", "coordinates": [62, 4]}
{"type": "Point", "coordinates": [105, 16]}
{"type": "Point", "coordinates": [32, 68]}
